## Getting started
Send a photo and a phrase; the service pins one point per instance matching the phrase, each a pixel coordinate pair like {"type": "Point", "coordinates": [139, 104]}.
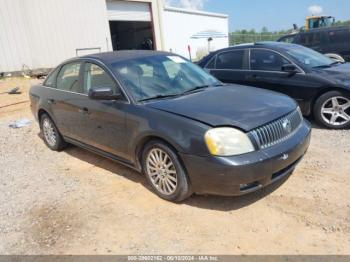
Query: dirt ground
{"type": "Point", "coordinates": [75, 202]}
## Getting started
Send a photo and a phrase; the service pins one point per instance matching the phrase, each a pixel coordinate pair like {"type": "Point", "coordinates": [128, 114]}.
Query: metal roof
{"type": "Point", "coordinates": [194, 12]}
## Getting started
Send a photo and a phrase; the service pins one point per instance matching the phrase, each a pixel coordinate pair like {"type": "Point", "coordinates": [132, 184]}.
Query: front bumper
{"type": "Point", "coordinates": [246, 173]}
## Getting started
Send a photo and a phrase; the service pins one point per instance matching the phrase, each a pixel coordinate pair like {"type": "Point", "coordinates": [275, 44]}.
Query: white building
{"type": "Point", "coordinates": [183, 28]}
{"type": "Point", "coordinates": [43, 33]}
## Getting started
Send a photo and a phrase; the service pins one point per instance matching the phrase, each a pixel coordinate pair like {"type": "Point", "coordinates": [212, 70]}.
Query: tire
{"type": "Point", "coordinates": [52, 137]}
{"type": "Point", "coordinates": [161, 178]}
{"type": "Point", "coordinates": [331, 114]}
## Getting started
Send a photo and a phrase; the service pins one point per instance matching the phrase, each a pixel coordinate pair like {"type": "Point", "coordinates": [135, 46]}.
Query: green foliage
{"type": "Point", "coordinates": [251, 36]}
{"type": "Point", "coordinates": [342, 23]}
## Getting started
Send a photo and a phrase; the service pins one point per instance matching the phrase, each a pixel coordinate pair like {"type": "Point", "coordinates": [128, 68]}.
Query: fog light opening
{"type": "Point", "coordinates": [249, 186]}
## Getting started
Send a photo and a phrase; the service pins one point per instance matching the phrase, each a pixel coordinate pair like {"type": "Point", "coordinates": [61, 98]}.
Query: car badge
{"type": "Point", "coordinates": [287, 126]}
{"type": "Point", "coordinates": [284, 157]}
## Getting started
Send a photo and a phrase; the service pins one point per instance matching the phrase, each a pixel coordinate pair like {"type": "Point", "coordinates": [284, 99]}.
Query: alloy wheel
{"type": "Point", "coordinates": [49, 132]}
{"type": "Point", "coordinates": [161, 171]}
{"type": "Point", "coordinates": [336, 111]}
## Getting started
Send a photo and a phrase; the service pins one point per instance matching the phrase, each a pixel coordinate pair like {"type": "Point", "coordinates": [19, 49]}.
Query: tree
{"type": "Point", "coordinates": [342, 23]}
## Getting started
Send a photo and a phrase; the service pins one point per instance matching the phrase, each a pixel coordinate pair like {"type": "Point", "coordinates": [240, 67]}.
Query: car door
{"type": "Point", "coordinates": [102, 122]}
{"type": "Point", "coordinates": [64, 99]}
{"type": "Point", "coordinates": [230, 66]}
{"type": "Point", "coordinates": [266, 72]}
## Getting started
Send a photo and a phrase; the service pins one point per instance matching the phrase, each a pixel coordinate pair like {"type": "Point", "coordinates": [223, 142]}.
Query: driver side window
{"type": "Point", "coordinates": [266, 60]}
{"type": "Point", "coordinates": [95, 76]}
{"type": "Point", "coordinates": [68, 78]}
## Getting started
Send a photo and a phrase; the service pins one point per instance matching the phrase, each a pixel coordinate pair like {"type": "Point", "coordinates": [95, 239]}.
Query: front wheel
{"type": "Point", "coordinates": [164, 172]}
{"type": "Point", "coordinates": [332, 110]}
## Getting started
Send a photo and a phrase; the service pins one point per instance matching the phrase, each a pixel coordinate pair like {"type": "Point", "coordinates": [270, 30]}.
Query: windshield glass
{"type": "Point", "coordinates": [308, 57]}
{"type": "Point", "coordinates": [161, 76]}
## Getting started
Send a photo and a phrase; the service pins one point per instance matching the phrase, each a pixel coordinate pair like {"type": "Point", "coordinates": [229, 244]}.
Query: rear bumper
{"type": "Point", "coordinates": [246, 173]}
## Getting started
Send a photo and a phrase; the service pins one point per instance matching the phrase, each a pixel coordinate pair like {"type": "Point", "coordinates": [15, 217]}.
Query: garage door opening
{"type": "Point", "coordinates": [128, 35]}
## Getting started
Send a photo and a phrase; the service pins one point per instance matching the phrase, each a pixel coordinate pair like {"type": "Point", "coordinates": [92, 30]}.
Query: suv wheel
{"type": "Point", "coordinates": [332, 110]}
{"type": "Point", "coordinates": [164, 172]}
{"type": "Point", "coordinates": [52, 136]}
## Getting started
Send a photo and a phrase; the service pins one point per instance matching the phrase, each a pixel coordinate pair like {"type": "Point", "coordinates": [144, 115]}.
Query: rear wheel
{"type": "Point", "coordinates": [51, 135]}
{"type": "Point", "coordinates": [165, 172]}
{"type": "Point", "coordinates": [332, 110]}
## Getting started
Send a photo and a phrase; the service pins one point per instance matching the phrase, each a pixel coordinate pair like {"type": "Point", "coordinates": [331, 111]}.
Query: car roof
{"type": "Point", "coordinates": [117, 56]}
{"type": "Point", "coordinates": [269, 44]}
{"type": "Point", "coordinates": [263, 44]}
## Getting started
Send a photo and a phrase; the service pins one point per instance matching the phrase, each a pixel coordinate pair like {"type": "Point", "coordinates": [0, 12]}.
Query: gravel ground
{"type": "Point", "coordinates": [75, 202]}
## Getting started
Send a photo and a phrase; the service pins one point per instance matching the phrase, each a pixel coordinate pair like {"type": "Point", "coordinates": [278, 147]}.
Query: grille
{"type": "Point", "coordinates": [277, 131]}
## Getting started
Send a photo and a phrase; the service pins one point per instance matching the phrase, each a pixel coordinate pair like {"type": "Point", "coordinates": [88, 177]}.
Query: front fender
{"type": "Point", "coordinates": [185, 135]}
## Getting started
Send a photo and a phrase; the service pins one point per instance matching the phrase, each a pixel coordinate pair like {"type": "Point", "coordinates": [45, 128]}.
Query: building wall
{"type": "Point", "coordinates": [181, 24]}
{"type": "Point", "coordinates": [42, 33]}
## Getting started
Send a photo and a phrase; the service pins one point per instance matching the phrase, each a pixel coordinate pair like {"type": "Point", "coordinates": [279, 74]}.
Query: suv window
{"type": "Point", "coordinates": [211, 63]}
{"type": "Point", "coordinates": [95, 76]}
{"type": "Point", "coordinates": [266, 60]}
{"type": "Point", "coordinates": [68, 78]}
{"type": "Point", "coordinates": [230, 60]}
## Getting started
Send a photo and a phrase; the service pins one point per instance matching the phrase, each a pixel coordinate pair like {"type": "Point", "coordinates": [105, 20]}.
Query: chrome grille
{"type": "Point", "coordinates": [277, 131]}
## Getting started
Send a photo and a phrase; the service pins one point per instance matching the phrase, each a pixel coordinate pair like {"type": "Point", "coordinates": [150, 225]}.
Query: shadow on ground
{"type": "Point", "coordinates": [199, 201]}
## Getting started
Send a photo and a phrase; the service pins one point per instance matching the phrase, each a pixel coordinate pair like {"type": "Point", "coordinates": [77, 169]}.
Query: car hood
{"type": "Point", "coordinates": [230, 105]}
{"type": "Point", "coordinates": [339, 73]}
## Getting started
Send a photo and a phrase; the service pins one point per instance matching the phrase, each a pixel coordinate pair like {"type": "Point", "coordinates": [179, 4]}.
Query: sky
{"type": "Point", "coordinates": [274, 14]}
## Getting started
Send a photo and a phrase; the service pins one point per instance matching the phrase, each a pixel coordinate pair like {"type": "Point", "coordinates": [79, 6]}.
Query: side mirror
{"type": "Point", "coordinates": [290, 69]}
{"type": "Point", "coordinates": [104, 93]}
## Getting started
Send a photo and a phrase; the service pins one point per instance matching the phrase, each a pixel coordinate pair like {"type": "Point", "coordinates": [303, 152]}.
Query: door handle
{"type": "Point", "coordinates": [51, 101]}
{"type": "Point", "coordinates": [84, 111]}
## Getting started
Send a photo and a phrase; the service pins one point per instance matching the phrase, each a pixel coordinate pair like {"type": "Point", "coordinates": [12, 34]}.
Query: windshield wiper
{"type": "Point", "coordinates": [322, 66]}
{"type": "Point", "coordinates": [327, 66]}
{"type": "Point", "coordinates": [195, 89]}
{"type": "Point", "coordinates": [335, 63]}
{"type": "Point", "coordinates": [200, 88]}
{"type": "Point", "coordinates": [157, 97]}
{"type": "Point", "coordinates": [181, 94]}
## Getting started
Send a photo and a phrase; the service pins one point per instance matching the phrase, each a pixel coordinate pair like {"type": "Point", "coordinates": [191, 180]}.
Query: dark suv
{"type": "Point", "coordinates": [333, 41]}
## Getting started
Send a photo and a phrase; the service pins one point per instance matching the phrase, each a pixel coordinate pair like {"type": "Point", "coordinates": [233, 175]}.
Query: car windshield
{"type": "Point", "coordinates": [162, 76]}
{"type": "Point", "coordinates": [309, 57]}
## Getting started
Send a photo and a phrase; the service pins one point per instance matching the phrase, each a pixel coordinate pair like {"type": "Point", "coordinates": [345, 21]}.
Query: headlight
{"type": "Point", "coordinates": [226, 141]}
